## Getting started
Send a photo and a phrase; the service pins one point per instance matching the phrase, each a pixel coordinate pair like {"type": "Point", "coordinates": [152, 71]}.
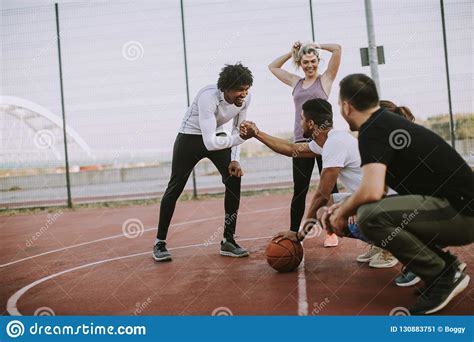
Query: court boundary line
{"type": "Point", "coordinates": [12, 302]}
{"type": "Point", "coordinates": [302, 293]}
{"type": "Point", "coordinates": [123, 235]}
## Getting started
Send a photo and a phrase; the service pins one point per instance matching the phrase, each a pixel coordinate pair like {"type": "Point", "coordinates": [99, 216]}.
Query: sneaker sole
{"type": "Point", "coordinates": [359, 259]}
{"type": "Point", "coordinates": [461, 267]}
{"type": "Point", "coordinates": [364, 259]}
{"type": "Point", "coordinates": [393, 263]}
{"type": "Point", "coordinates": [230, 254]}
{"type": "Point", "coordinates": [414, 281]}
{"type": "Point", "coordinates": [457, 290]}
{"type": "Point", "coordinates": [167, 258]}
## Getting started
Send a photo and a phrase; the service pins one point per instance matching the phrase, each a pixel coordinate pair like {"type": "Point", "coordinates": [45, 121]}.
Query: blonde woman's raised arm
{"type": "Point", "coordinates": [333, 66]}
{"type": "Point", "coordinates": [276, 68]}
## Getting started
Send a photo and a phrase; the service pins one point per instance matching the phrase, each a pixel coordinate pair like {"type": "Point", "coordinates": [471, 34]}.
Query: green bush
{"type": "Point", "coordinates": [464, 123]}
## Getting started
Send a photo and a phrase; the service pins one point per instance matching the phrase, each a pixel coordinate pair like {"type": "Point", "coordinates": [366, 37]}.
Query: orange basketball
{"type": "Point", "coordinates": [284, 256]}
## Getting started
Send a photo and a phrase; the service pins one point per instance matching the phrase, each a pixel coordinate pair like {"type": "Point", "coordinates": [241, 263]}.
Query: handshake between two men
{"type": "Point", "coordinates": [248, 129]}
{"type": "Point", "coordinates": [323, 217]}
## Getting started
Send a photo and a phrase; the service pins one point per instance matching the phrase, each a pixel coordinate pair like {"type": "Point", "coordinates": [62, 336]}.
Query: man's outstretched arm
{"type": "Point", "coordinates": [301, 150]}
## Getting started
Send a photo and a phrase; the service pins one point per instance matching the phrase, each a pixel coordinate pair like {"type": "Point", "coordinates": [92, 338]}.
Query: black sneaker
{"type": "Point", "coordinates": [460, 265]}
{"type": "Point", "coordinates": [441, 292]}
{"type": "Point", "coordinates": [407, 278]}
{"type": "Point", "coordinates": [452, 260]}
{"type": "Point", "coordinates": [160, 253]}
{"type": "Point", "coordinates": [230, 248]}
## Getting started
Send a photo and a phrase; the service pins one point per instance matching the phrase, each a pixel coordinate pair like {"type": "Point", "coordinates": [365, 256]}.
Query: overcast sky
{"type": "Point", "coordinates": [123, 64]}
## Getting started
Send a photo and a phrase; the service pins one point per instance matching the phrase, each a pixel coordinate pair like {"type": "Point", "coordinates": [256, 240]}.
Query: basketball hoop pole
{"type": "Point", "coordinates": [373, 58]}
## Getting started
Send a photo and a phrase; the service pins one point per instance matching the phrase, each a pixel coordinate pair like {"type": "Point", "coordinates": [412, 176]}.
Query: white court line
{"type": "Point", "coordinates": [302, 295]}
{"type": "Point", "coordinates": [12, 308]}
{"type": "Point", "coordinates": [122, 235]}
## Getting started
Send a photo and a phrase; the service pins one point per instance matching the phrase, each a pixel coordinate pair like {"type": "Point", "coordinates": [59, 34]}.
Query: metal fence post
{"type": "Point", "coordinates": [187, 85]}
{"type": "Point", "coordinates": [312, 20]}
{"type": "Point", "coordinates": [451, 119]}
{"type": "Point", "coordinates": [58, 39]}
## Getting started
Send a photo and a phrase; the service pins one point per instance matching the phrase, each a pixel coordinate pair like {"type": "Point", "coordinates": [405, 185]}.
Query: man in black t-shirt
{"type": "Point", "coordinates": [435, 202]}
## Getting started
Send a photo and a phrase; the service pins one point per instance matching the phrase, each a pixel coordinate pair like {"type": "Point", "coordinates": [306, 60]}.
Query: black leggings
{"type": "Point", "coordinates": [187, 152]}
{"type": "Point", "coordinates": [302, 171]}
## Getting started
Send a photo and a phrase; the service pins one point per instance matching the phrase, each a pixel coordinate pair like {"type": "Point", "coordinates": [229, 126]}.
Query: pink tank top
{"type": "Point", "coordinates": [300, 96]}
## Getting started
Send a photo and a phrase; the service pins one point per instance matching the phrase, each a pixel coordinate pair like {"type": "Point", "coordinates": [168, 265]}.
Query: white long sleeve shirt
{"type": "Point", "coordinates": [207, 115]}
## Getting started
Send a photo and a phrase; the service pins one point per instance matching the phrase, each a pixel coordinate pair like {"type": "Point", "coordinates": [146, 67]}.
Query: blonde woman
{"type": "Point", "coordinates": [313, 85]}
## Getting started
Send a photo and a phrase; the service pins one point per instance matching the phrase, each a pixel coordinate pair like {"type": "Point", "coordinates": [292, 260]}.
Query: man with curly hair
{"type": "Point", "coordinates": [201, 135]}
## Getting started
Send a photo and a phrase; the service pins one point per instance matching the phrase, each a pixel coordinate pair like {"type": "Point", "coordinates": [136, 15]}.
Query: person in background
{"type": "Point", "coordinates": [313, 85]}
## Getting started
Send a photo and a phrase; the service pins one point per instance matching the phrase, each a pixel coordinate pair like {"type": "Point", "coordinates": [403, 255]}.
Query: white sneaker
{"type": "Point", "coordinates": [366, 257]}
{"type": "Point", "coordinates": [331, 241]}
{"type": "Point", "coordinates": [384, 259]}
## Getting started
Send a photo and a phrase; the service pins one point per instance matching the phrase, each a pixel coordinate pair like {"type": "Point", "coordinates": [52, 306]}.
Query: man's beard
{"type": "Point", "coordinates": [307, 135]}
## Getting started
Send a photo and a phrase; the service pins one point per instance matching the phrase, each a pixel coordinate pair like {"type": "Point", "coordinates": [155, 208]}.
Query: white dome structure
{"type": "Point", "coordinates": [33, 135]}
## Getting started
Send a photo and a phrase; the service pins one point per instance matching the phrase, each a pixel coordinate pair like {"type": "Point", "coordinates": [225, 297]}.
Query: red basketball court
{"type": "Point", "coordinates": [82, 263]}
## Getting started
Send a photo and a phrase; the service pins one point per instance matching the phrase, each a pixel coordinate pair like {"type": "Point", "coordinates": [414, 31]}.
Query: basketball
{"type": "Point", "coordinates": [284, 255]}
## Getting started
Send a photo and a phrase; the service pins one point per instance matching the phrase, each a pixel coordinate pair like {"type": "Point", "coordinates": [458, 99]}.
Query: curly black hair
{"type": "Point", "coordinates": [234, 77]}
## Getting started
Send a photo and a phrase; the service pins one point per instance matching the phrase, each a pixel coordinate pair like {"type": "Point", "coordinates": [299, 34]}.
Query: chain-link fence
{"type": "Point", "coordinates": [124, 84]}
